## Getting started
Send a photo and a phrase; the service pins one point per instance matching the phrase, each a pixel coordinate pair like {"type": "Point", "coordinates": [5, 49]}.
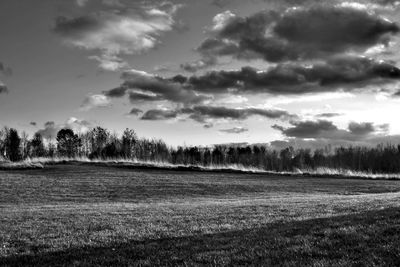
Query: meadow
{"type": "Point", "coordinates": [80, 214]}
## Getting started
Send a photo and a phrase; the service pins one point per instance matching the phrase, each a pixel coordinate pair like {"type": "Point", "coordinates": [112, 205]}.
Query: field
{"type": "Point", "coordinates": [84, 215]}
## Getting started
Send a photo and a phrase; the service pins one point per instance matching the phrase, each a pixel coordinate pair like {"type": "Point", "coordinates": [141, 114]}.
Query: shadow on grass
{"type": "Point", "coordinates": [367, 239]}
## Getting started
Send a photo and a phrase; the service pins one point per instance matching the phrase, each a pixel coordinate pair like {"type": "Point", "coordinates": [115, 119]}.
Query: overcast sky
{"type": "Point", "coordinates": [204, 72]}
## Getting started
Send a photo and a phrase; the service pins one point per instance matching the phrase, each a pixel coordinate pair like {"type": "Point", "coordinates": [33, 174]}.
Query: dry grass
{"type": "Point", "coordinates": [318, 172]}
{"type": "Point", "coordinates": [7, 165]}
{"type": "Point", "coordinates": [80, 214]}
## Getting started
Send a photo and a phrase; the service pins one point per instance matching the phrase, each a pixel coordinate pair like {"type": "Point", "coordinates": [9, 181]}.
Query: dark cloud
{"type": "Point", "coordinates": [3, 88]}
{"type": "Point", "coordinates": [235, 130]}
{"type": "Point", "coordinates": [159, 114]}
{"type": "Point", "coordinates": [135, 111]}
{"type": "Point", "coordinates": [208, 126]}
{"type": "Point", "coordinates": [154, 88]}
{"type": "Point", "coordinates": [396, 94]}
{"type": "Point", "coordinates": [328, 115]}
{"type": "Point", "coordinates": [308, 129]}
{"type": "Point", "coordinates": [116, 92]}
{"type": "Point", "coordinates": [330, 29]}
{"type": "Point", "coordinates": [329, 145]}
{"type": "Point", "coordinates": [205, 114]}
{"type": "Point", "coordinates": [211, 112]}
{"type": "Point", "coordinates": [33, 123]}
{"type": "Point", "coordinates": [347, 73]}
{"type": "Point", "coordinates": [75, 26]}
{"type": "Point", "coordinates": [298, 33]}
{"type": "Point", "coordinates": [322, 129]}
{"type": "Point", "coordinates": [361, 128]}
{"type": "Point", "coordinates": [143, 97]}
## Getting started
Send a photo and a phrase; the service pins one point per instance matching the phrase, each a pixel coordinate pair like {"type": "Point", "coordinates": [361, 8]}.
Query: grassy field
{"type": "Point", "coordinates": [84, 215]}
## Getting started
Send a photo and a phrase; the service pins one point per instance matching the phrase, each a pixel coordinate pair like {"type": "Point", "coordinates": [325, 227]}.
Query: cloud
{"type": "Point", "coordinates": [208, 114]}
{"type": "Point", "coordinates": [199, 64]}
{"type": "Point", "coordinates": [117, 31]}
{"type": "Point", "coordinates": [347, 73]}
{"type": "Point", "coordinates": [201, 113]}
{"type": "Point", "coordinates": [235, 130]}
{"type": "Point", "coordinates": [143, 86]}
{"type": "Point", "coordinates": [110, 62]}
{"type": "Point", "coordinates": [136, 97]}
{"type": "Point", "coordinates": [50, 129]}
{"type": "Point", "coordinates": [208, 126]}
{"type": "Point", "coordinates": [323, 129]}
{"type": "Point", "coordinates": [135, 111]}
{"type": "Point", "coordinates": [328, 115]}
{"type": "Point", "coordinates": [330, 144]}
{"type": "Point", "coordinates": [366, 128]}
{"type": "Point", "coordinates": [304, 32]}
{"type": "Point", "coordinates": [3, 88]}
{"type": "Point", "coordinates": [116, 92]}
{"type": "Point", "coordinates": [95, 101]}
{"type": "Point", "coordinates": [327, 29]}
{"type": "Point", "coordinates": [337, 74]}
{"type": "Point", "coordinates": [32, 123]}
{"type": "Point", "coordinates": [159, 114]}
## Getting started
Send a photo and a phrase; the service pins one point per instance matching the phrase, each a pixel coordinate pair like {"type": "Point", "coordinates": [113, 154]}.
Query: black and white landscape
{"type": "Point", "coordinates": [199, 133]}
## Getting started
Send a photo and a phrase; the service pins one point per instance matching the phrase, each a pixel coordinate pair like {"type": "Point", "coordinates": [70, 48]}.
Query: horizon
{"type": "Point", "coordinates": [204, 73]}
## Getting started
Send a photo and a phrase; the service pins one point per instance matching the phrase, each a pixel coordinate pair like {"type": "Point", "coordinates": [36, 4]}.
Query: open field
{"type": "Point", "coordinates": [79, 214]}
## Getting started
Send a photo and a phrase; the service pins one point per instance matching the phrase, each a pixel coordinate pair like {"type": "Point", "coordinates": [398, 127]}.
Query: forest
{"type": "Point", "coordinates": [100, 143]}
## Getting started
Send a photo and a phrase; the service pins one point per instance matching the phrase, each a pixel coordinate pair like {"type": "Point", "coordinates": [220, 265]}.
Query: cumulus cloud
{"type": "Point", "coordinates": [347, 73]}
{"type": "Point", "coordinates": [143, 86]}
{"type": "Point", "coordinates": [95, 101]}
{"type": "Point", "coordinates": [50, 129]}
{"type": "Point", "coordinates": [117, 31]}
{"type": "Point", "coordinates": [323, 129]}
{"type": "Point", "coordinates": [339, 73]}
{"type": "Point", "coordinates": [311, 32]}
{"type": "Point", "coordinates": [235, 130]}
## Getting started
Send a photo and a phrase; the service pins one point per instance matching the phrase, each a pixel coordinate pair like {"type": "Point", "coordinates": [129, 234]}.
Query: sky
{"type": "Point", "coordinates": [306, 73]}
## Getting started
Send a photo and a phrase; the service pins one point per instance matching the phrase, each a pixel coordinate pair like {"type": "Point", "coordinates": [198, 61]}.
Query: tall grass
{"type": "Point", "coordinates": [32, 163]}
{"type": "Point", "coordinates": [22, 165]}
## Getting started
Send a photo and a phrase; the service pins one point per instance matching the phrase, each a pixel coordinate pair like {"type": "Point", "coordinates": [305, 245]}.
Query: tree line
{"type": "Point", "coordinates": [99, 143]}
